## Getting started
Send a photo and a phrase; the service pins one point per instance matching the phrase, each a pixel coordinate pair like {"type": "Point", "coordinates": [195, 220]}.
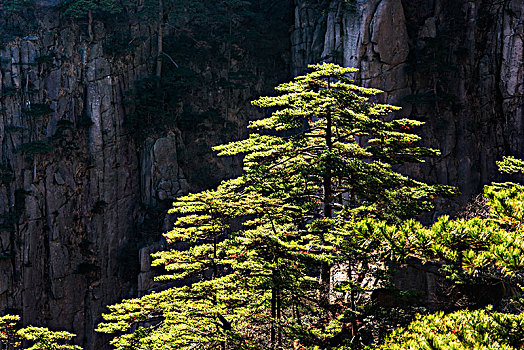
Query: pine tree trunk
{"type": "Point", "coordinates": [215, 276]}
{"type": "Point", "coordinates": [279, 310]}
{"type": "Point", "coordinates": [160, 38]}
{"type": "Point", "coordinates": [352, 298]}
{"type": "Point", "coordinates": [273, 313]}
{"type": "Point", "coordinates": [325, 269]}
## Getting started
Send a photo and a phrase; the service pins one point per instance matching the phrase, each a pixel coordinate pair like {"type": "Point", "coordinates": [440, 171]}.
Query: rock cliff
{"type": "Point", "coordinates": [456, 65]}
{"type": "Point", "coordinates": [70, 174]}
{"type": "Point", "coordinates": [80, 194]}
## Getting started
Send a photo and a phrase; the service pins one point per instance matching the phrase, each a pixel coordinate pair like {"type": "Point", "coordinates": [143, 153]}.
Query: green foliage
{"type": "Point", "coordinates": [6, 173]}
{"type": "Point", "coordinates": [326, 113]}
{"type": "Point", "coordinates": [99, 207]}
{"type": "Point", "coordinates": [510, 165]}
{"type": "Point", "coordinates": [84, 121]}
{"type": "Point", "coordinates": [44, 339]}
{"type": "Point", "coordinates": [121, 43]}
{"type": "Point", "coordinates": [422, 98]}
{"type": "Point", "coordinates": [37, 338]}
{"type": "Point", "coordinates": [9, 91]}
{"type": "Point", "coordinates": [17, 19]}
{"type": "Point", "coordinates": [14, 129]}
{"type": "Point", "coordinates": [204, 39]}
{"type": "Point", "coordinates": [468, 247]}
{"type": "Point", "coordinates": [7, 329]}
{"type": "Point", "coordinates": [480, 329]}
{"type": "Point", "coordinates": [254, 256]}
{"type": "Point", "coordinates": [16, 5]}
{"type": "Point", "coordinates": [154, 102]}
{"type": "Point", "coordinates": [472, 248]}
{"type": "Point", "coordinates": [46, 59]}
{"type": "Point", "coordinates": [80, 8]}
{"type": "Point", "coordinates": [256, 252]}
{"type": "Point", "coordinates": [38, 110]}
{"type": "Point", "coordinates": [436, 55]}
{"type": "Point", "coordinates": [30, 149]}
{"type": "Point", "coordinates": [8, 222]}
{"type": "Point", "coordinates": [220, 305]}
{"type": "Point", "coordinates": [350, 5]}
{"type": "Point", "coordinates": [471, 251]}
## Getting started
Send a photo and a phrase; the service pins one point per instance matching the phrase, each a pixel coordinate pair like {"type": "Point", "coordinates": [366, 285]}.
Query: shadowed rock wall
{"type": "Point", "coordinates": [456, 65]}
{"type": "Point", "coordinates": [70, 178]}
{"type": "Point", "coordinates": [77, 190]}
{"type": "Point", "coordinates": [80, 193]}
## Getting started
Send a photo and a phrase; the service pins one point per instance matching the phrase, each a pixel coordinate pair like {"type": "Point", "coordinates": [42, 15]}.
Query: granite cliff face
{"type": "Point", "coordinates": [80, 194]}
{"type": "Point", "coordinates": [456, 65]}
{"type": "Point", "coordinates": [70, 174]}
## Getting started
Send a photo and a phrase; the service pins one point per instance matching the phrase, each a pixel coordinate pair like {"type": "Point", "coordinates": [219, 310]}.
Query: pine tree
{"type": "Point", "coordinates": [477, 251]}
{"type": "Point", "coordinates": [82, 8]}
{"type": "Point", "coordinates": [337, 155]}
{"type": "Point", "coordinates": [479, 329]}
{"type": "Point", "coordinates": [37, 338]}
{"type": "Point", "coordinates": [338, 150]}
{"type": "Point", "coordinates": [240, 283]}
{"type": "Point", "coordinates": [256, 254]}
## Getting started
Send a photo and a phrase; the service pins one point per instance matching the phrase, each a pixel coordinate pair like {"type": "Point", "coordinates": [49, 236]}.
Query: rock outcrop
{"type": "Point", "coordinates": [83, 200]}
{"type": "Point", "coordinates": [70, 178]}
{"type": "Point", "coordinates": [458, 66]}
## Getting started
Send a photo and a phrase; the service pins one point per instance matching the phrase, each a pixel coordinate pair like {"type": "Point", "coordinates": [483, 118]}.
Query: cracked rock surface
{"type": "Point", "coordinates": [456, 65]}
{"type": "Point", "coordinates": [83, 201]}
{"type": "Point", "coordinates": [77, 189]}
{"type": "Point", "coordinates": [69, 200]}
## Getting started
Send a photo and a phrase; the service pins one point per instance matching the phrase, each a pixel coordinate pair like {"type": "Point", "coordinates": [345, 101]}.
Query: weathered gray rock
{"type": "Point", "coordinates": [455, 65]}
{"type": "Point", "coordinates": [145, 277]}
{"type": "Point", "coordinates": [389, 34]}
{"type": "Point", "coordinates": [90, 195]}
{"type": "Point", "coordinates": [71, 209]}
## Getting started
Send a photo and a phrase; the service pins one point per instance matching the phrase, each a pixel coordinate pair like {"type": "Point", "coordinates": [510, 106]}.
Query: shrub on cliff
{"type": "Point", "coordinates": [479, 329]}
{"type": "Point", "coordinates": [88, 9]}
{"type": "Point", "coordinates": [83, 8]}
{"type": "Point", "coordinates": [15, 5]}
{"type": "Point", "coordinates": [35, 338]}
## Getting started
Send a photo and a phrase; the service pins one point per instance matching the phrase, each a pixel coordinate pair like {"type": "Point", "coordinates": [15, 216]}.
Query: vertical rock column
{"type": "Point", "coordinates": [69, 179]}
{"type": "Point", "coordinates": [457, 66]}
